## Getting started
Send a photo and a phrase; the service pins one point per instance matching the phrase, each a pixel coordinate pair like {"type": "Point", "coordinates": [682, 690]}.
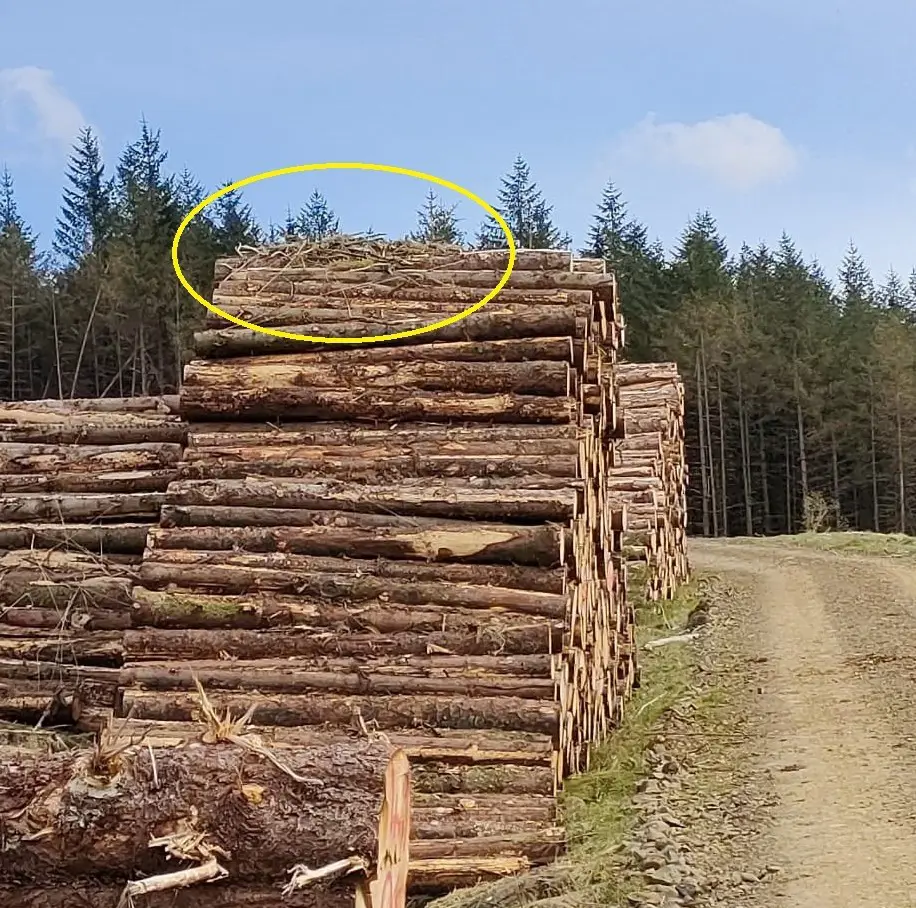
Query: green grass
{"type": "Point", "coordinates": [896, 544]}
{"type": "Point", "coordinates": [598, 803]}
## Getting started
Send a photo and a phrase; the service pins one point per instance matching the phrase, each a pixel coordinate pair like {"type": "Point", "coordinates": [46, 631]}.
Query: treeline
{"type": "Point", "coordinates": [801, 390]}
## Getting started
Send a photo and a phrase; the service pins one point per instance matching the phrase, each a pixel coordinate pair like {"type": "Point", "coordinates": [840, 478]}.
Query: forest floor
{"type": "Point", "coordinates": [770, 762]}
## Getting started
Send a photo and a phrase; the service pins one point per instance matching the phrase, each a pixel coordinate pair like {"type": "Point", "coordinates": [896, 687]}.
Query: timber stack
{"type": "Point", "coordinates": [414, 537]}
{"type": "Point", "coordinates": [81, 484]}
{"type": "Point", "coordinates": [650, 472]}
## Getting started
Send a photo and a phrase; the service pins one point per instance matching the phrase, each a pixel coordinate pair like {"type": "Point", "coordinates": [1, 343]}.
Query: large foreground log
{"type": "Point", "coordinates": [225, 801]}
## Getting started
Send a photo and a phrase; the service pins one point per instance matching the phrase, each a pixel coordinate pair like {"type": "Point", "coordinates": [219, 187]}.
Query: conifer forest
{"type": "Point", "coordinates": [801, 386]}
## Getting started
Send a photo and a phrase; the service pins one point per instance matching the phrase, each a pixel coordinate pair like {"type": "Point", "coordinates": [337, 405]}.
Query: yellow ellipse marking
{"type": "Point", "coordinates": [345, 165]}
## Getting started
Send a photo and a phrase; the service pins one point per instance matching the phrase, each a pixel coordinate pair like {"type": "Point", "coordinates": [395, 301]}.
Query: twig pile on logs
{"type": "Point", "coordinates": [650, 472]}
{"type": "Point", "coordinates": [81, 483]}
{"type": "Point", "coordinates": [413, 537]}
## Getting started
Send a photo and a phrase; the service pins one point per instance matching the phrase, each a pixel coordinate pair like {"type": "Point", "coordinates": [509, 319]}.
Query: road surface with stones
{"type": "Point", "coordinates": [824, 647]}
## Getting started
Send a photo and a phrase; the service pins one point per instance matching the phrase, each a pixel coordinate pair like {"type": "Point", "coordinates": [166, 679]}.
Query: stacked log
{"type": "Point", "coordinates": [414, 538]}
{"type": "Point", "coordinates": [222, 823]}
{"type": "Point", "coordinates": [81, 484]}
{"type": "Point", "coordinates": [650, 472]}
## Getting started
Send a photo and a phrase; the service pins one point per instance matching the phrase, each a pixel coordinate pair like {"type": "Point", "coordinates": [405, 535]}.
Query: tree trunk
{"type": "Point", "coordinates": [541, 321]}
{"type": "Point", "coordinates": [77, 507]}
{"type": "Point", "coordinates": [50, 459]}
{"type": "Point", "coordinates": [498, 713]}
{"type": "Point", "coordinates": [122, 537]}
{"type": "Point", "coordinates": [264, 821]}
{"type": "Point", "coordinates": [415, 498]}
{"type": "Point", "coordinates": [360, 404]}
{"type": "Point", "coordinates": [704, 469]}
{"type": "Point", "coordinates": [374, 536]}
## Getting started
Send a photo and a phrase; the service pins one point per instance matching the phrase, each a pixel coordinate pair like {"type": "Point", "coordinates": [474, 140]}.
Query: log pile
{"type": "Point", "coordinates": [650, 472]}
{"type": "Point", "coordinates": [414, 537]}
{"type": "Point", "coordinates": [223, 821]}
{"type": "Point", "coordinates": [81, 483]}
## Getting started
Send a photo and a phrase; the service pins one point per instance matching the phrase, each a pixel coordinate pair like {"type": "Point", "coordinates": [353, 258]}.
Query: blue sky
{"type": "Point", "coordinates": [775, 115]}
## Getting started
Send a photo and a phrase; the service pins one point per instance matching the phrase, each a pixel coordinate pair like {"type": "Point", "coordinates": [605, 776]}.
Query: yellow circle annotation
{"type": "Point", "coordinates": [345, 165]}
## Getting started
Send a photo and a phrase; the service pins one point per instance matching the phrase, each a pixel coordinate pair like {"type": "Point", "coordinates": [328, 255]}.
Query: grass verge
{"type": "Point", "coordinates": [864, 543]}
{"type": "Point", "coordinates": [597, 805]}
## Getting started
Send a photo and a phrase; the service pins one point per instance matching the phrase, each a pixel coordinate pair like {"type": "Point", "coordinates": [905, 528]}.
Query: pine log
{"type": "Point", "coordinates": [22, 428]}
{"type": "Point", "coordinates": [638, 373]}
{"type": "Point", "coordinates": [90, 893]}
{"type": "Point", "coordinates": [541, 321]}
{"type": "Point", "coordinates": [122, 537]}
{"type": "Point", "coordinates": [78, 507]}
{"type": "Point", "coordinates": [415, 435]}
{"type": "Point", "coordinates": [75, 616]}
{"type": "Point", "coordinates": [63, 592]}
{"type": "Point", "coordinates": [418, 498]}
{"type": "Point", "coordinates": [179, 609]}
{"type": "Point", "coordinates": [376, 677]}
{"type": "Point", "coordinates": [310, 403]}
{"type": "Point", "coordinates": [355, 537]}
{"type": "Point", "coordinates": [263, 820]}
{"type": "Point", "coordinates": [282, 643]}
{"type": "Point", "coordinates": [128, 481]}
{"type": "Point", "coordinates": [57, 646]}
{"type": "Point", "coordinates": [44, 458]}
{"type": "Point", "coordinates": [439, 747]}
{"type": "Point", "coordinates": [498, 713]}
{"type": "Point", "coordinates": [534, 590]}
{"type": "Point", "coordinates": [511, 350]}
{"type": "Point", "coordinates": [167, 404]}
{"type": "Point", "coordinates": [273, 310]}
{"type": "Point", "coordinates": [330, 279]}
{"type": "Point", "coordinates": [378, 471]}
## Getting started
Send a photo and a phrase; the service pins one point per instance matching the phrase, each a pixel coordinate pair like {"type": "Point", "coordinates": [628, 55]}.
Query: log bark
{"type": "Point", "coordinates": [102, 483]}
{"type": "Point", "coordinates": [167, 404]}
{"type": "Point", "coordinates": [87, 893]}
{"type": "Point", "coordinates": [542, 321]}
{"type": "Point", "coordinates": [379, 471]}
{"type": "Point", "coordinates": [428, 437]}
{"type": "Point", "coordinates": [89, 430]}
{"type": "Point", "coordinates": [354, 537]}
{"type": "Point", "coordinates": [63, 593]}
{"type": "Point", "coordinates": [49, 458]}
{"type": "Point", "coordinates": [302, 371]}
{"type": "Point", "coordinates": [467, 585]}
{"type": "Point", "coordinates": [438, 747]}
{"type": "Point", "coordinates": [331, 279]}
{"type": "Point", "coordinates": [416, 498]}
{"type": "Point", "coordinates": [310, 403]}
{"type": "Point", "coordinates": [57, 646]}
{"type": "Point", "coordinates": [511, 350]}
{"type": "Point", "coordinates": [264, 821]}
{"type": "Point", "coordinates": [628, 374]}
{"type": "Point", "coordinates": [283, 643]}
{"type": "Point", "coordinates": [525, 677]}
{"type": "Point", "coordinates": [78, 507]}
{"type": "Point", "coordinates": [274, 310]}
{"type": "Point", "coordinates": [497, 713]}
{"type": "Point", "coordinates": [121, 538]}
{"type": "Point", "coordinates": [331, 622]}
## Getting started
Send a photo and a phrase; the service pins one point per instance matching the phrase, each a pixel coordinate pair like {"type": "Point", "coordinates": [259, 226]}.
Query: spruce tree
{"type": "Point", "coordinates": [607, 235]}
{"type": "Point", "coordinates": [525, 210]}
{"type": "Point", "coordinates": [437, 223]}
{"type": "Point", "coordinates": [316, 220]}
{"type": "Point", "coordinates": [85, 221]}
{"type": "Point", "coordinates": [234, 223]}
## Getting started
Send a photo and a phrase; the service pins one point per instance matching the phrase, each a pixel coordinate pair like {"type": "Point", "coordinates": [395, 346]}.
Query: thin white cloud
{"type": "Point", "coordinates": [737, 150]}
{"type": "Point", "coordinates": [35, 108]}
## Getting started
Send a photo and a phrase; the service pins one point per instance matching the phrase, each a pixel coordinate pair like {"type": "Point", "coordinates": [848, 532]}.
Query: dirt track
{"type": "Point", "coordinates": [821, 649]}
